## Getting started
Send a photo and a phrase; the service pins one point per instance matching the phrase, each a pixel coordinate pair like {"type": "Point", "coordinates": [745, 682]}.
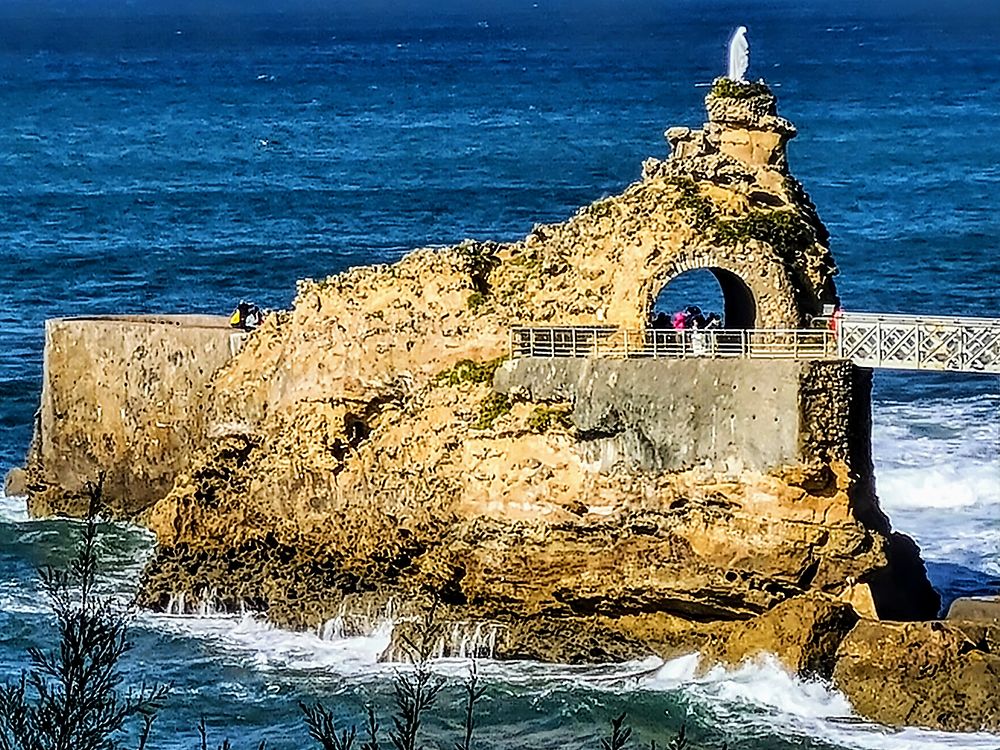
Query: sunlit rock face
{"type": "Point", "coordinates": [358, 449]}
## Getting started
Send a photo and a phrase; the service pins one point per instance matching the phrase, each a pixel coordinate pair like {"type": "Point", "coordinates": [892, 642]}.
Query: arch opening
{"type": "Point", "coordinates": [711, 289]}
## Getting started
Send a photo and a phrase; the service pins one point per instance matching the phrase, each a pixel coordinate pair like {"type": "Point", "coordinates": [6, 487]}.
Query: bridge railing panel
{"type": "Point", "coordinates": [921, 343]}
{"type": "Point", "coordinates": [884, 341]}
{"type": "Point", "coordinates": [670, 344]}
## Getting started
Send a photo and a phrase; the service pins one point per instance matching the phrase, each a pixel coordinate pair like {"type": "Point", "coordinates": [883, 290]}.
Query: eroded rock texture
{"type": "Point", "coordinates": [361, 452]}
{"type": "Point", "coordinates": [364, 423]}
{"type": "Point", "coordinates": [936, 674]}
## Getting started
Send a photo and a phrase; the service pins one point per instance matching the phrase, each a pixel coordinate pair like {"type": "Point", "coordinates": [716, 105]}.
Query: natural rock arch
{"type": "Point", "coordinates": [739, 304]}
{"type": "Point", "coordinates": [724, 200]}
{"type": "Point", "coordinates": [764, 299]}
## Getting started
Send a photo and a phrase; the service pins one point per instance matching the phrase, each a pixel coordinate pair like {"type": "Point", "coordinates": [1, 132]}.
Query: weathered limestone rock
{"type": "Point", "coordinates": [804, 633]}
{"type": "Point", "coordinates": [744, 124]}
{"type": "Point", "coordinates": [933, 674]}
{"type": "Point", "coordinates": [510, 514]}
{"type": "Point", "coordinates": [360, 448]}
{"type": "Point", "coordinates": [975, 609]}
{"type": "Point", "coordinates": [15, 483]}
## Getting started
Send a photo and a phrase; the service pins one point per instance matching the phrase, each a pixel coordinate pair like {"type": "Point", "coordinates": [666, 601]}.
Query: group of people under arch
{"type": "Point", "coordinates": [691, 318]}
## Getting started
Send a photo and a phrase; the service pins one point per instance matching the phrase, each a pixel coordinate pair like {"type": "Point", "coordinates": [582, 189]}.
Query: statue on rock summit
{"type": "Point", "coordinates": [739, 55]}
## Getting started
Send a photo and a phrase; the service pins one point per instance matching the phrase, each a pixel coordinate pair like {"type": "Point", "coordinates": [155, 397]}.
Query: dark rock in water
{"type": "Point", "coordinates": [942, 675]}
{"type": "Point", "coordinates": [803, 633]}
{"type": "Point", "coordinates": [902, 587]}
{"type": "Point", "coordinates": [975, 609]}
{"type": "Point", "coordinates": [295, 590]}
{"type": "Point", "coordinates": [573, 640]}
{"type": "Point", "coordinates": [568, 641]}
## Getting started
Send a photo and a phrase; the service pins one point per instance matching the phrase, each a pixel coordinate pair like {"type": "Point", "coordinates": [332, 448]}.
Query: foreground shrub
{"type": "Point", "coordinates": [70, 698]}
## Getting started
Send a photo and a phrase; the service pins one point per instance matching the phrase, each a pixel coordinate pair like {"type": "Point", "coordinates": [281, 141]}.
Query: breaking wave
{"type": "Point", "coordinates": [755, 700]}
{"type": "Point", "coordinates": [937, 467]}
{"type": "Point", "coordinates": [13, 509]}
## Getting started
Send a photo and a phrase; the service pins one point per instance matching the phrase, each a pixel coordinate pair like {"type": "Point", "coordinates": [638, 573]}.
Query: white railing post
{"type": "Point", "coordinates": [878, 341]}
{"type": "Point", "coordinates": [919, 348]}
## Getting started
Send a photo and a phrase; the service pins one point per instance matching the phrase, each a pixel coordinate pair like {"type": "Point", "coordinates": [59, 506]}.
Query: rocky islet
{"type": "Point", "coordinates": [361, 456]}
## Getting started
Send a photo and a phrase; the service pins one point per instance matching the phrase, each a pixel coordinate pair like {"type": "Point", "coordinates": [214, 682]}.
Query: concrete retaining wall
{"type": "Point", "coordinates": [120, 396]}
{"type": "Point", "coordinates": [668, 415]}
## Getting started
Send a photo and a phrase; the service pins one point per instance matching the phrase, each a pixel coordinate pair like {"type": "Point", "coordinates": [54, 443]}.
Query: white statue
{"type": "Point", "coordinates": [739, 55]}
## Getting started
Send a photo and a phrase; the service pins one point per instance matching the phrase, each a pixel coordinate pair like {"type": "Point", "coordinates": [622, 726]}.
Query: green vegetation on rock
{"type": "Point", "coordinates": [475, 301]}
{"type": "Point", "coordinates": [467, 371]}
{"type": "Point", "coordinates": [787, 232]}
{"type": "Point", "coordinates": [726, 88]}
{"type": "Point", "coordinates": [689, 199]}
{"type": "Point", "coordinates": [604, 208]}
{"type": "Point", "coordinates": [493, 406]}
{"type": "Point", "coordinates": [529, 260]}
{"type": "Point", "coordinates": [544, 418]}
{"type": "Point", "coordinates": [480, 259]}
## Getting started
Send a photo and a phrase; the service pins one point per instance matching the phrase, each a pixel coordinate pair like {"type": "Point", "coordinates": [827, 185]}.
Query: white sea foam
{"type": "Point", "coordinates": [938, 487]}
{"type": "Point", "coordinates": [794, 707]}
{"type": "Point", "coordinates": [938, 474]}
{"type": "Point", "coordinates": [756, 699]}
{"type": "Point", "coordinates": [938, 454]}
{"type": "Point", "coordinates": [16, 598]}
{"type": "Point", "coordinates": [252, 642]}
{"type": "Point", "coordinates": [13, 509]}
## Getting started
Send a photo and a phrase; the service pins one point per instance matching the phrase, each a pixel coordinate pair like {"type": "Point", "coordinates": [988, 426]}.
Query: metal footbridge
{"type": "Point", "coordinates": [896, 342]}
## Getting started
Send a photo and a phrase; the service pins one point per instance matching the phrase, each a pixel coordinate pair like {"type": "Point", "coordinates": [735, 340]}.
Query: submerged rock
{"type": "Point", "coordinates": [15, 483]}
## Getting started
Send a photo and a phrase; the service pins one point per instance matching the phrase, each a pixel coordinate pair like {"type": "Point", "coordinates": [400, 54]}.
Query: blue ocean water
{"type": "Point", "coordinates": [152, 160]}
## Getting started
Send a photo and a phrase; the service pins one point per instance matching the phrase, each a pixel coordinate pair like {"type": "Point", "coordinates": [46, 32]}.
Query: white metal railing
{"type": "Point", "coordinates": [870, 340]}
{"type": "Point", "coordinates": [574, 341]}
{"type": "Point", "coordinates": [909, 342]}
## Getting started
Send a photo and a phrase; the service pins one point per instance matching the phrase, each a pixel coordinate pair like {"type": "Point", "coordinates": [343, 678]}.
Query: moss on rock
{"type": "Point", "coordinates": [494, 406]}
{"type": "Point", "coordinates": [785, 231]}
{"type": "Point", "coordinates": [467, 371]}
{"type": "Point", "coordinates": [544, 418]}
{"type": "Point", "coordinates": [727, 88]}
